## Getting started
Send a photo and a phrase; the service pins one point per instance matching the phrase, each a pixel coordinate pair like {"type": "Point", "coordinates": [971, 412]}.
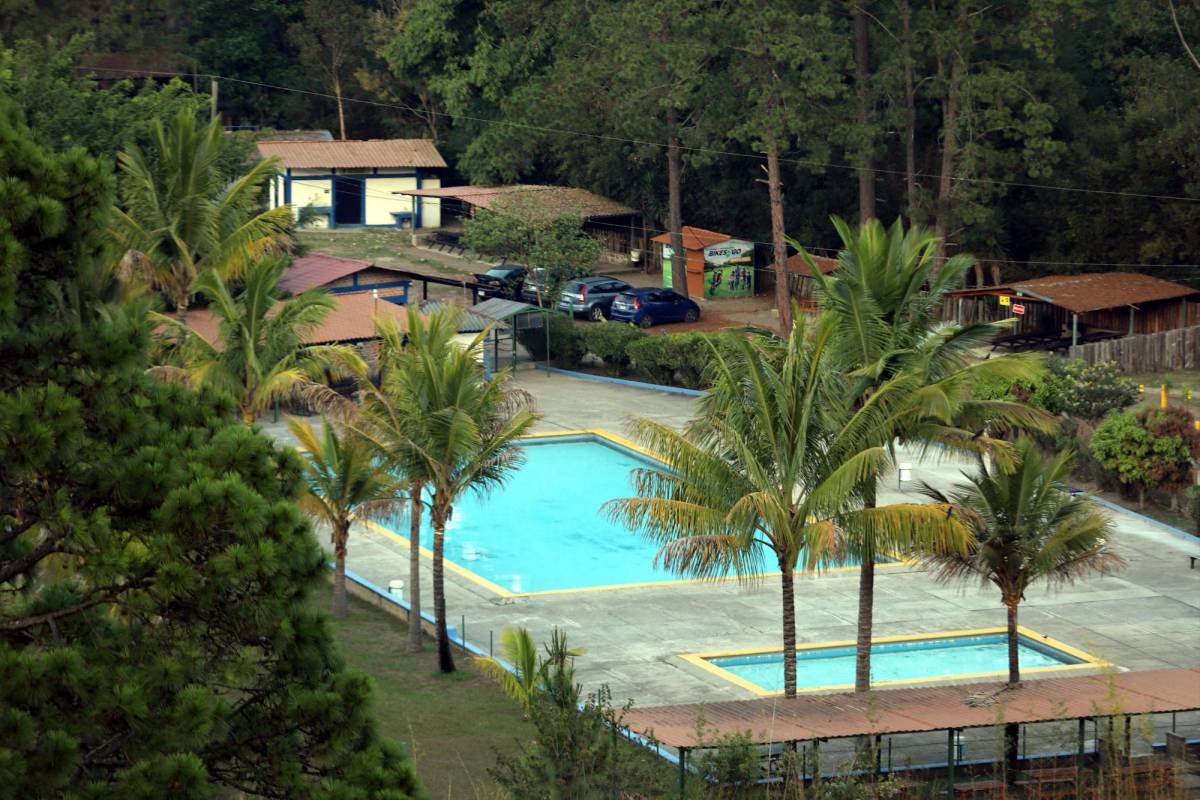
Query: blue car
{"type": "Point", "coordinates": [646, 307]}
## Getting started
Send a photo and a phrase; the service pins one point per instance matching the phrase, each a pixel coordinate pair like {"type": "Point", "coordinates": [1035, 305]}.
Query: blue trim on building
{"type": "Point", "coordinates": [417, 203]}
{"type": "Point", "coordinates": [363, 287]}
{"type": "Point", "coordinates": [398, 217]}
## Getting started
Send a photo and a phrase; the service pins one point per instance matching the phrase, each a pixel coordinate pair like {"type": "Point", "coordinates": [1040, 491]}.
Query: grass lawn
{"type": "Point", "coordinates": [386, 246]}
{"type": "Point", "coordinates": [449, 723]}
{"type": "Point", "coordinates": [1178, 383]}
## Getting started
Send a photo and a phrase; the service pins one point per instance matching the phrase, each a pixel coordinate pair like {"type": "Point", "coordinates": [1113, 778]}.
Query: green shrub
{"type": "Point", "coordinates": [676, 358]}
{"type": "Point", "coordinates": [1191, 505]}
{"type": "Point", "coordinates": [566, 342]}
{"type": "Point", "coordinates": [1150, 449]}
{"type": "Point", "coordinates": [1089, 392]}
{"type": "Point", "coordinates": [610, 342]}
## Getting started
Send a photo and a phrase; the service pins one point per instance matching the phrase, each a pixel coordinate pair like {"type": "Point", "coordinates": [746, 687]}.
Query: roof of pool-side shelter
{"type": "Point", "coordinates": [353, 154]}
{"type": "Point", "coordinates": [923, 709]}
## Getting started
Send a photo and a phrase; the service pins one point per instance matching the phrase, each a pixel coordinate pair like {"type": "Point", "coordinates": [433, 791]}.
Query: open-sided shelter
{"type": "Point", "coordinates": [1061, 310]}
{"type": "Point", "coordinates": [618, 227]}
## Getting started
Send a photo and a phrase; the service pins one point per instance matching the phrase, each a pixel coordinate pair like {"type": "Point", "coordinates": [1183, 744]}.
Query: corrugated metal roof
{"type": "Point", "coordinates": [469, 322]}
{"type": "Point", "coordinates": [352, 319]}
{"type": "Point", "coordinates": [315, 135]}
{"type": "Point", "coordinates": [354, 154]}
{"type": "Point", "coordinates": [553, 200]}
{"type": "Point", "coordinates": [797, 263]}
{"type": "Point", "coordinates": [923, 709]}
{"type": "Point", "coordinates": [318, 269]}
{"type": "Point", "coordinates": [499, 309]}
{"type": "Point", "coordinates": [694, 238]}
{"type": "Point", "coordinates": [1095, 291]}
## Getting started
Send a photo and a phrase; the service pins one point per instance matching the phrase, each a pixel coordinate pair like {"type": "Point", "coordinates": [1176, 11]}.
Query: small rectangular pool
{"type": "Point", "coordinates": [895, 660]}
{"type": "Point", "coordinates": [543, 530]}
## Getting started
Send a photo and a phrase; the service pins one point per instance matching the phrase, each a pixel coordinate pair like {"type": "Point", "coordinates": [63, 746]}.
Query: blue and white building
{"type": "Point", "coordinates": [358, 183]}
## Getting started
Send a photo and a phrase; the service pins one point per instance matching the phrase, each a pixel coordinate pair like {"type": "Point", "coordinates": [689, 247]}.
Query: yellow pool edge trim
{"type": "Point", "coordinates": [450, 565]}
{"type": "Point", "coordinates": [1089, 661]}
{"type": "Point", "coordinates": [627, 444]}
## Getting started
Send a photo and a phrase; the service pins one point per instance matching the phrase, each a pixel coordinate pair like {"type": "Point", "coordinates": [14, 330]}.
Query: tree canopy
{"type": "Point", "coordinates": [964, 115]}
{"type": "Point", "coordinates": [155, 633]}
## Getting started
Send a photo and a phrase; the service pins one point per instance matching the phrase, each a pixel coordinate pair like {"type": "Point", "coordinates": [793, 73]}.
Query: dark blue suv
{"type": "Point", "coordinates": [646, 307]}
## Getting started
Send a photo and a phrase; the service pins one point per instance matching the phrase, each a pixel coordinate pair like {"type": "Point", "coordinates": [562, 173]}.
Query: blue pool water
{"type": "Point", "coordinates": [544, 529]}
{"type": "Point", "coordinates": [895, 661]}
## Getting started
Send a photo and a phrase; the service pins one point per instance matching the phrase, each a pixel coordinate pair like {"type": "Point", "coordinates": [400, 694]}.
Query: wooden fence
{"type": "Point", "coordinates": [1151, 352]}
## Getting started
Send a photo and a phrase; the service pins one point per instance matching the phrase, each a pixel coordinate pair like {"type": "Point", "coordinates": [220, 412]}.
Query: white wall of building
{"type": "Point", "coordinates": [431, 207]}
{"type": "Point", "coordinates": [381, 203]}
{"type": "Point", "coordinates": [380, 200]}
{"type": "Point", "coordinates": [315, 193]}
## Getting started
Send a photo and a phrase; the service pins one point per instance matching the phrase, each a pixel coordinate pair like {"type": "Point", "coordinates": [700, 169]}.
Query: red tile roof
{"type": "Point", "coordinates": [694, 238]}
{"type": "Point", "coordinates": [315, 270]}
{"type": "Point", "coordinates": [920, 709]}
{"type": "Point", "coordinates": [797, 263]}
{"type": "Point", "coordinates": [353, 154]}
{"type": "Point", "coordinates": [1080, 294]}
{"type": "Point", "coordinates": [549, 199]}
{"type": "Point", "coordinates": [351, 320]}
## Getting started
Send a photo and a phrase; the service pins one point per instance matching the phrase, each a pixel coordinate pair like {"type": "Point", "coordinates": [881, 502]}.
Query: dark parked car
{"type": "Point", "coordinates": [591, 296]}
{"type": "Point", "coordinates": [646, 307]}
{"type": "Point", "coordinates": [504, 280]}
{"type": "Point", "coordinates": [534, 288]}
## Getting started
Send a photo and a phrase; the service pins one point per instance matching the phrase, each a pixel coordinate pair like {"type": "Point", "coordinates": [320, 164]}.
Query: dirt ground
{"type": "Point", "coordinates": [394, 248]}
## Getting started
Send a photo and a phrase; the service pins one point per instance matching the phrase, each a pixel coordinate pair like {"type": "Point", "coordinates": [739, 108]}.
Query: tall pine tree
{"type": "Point", "coordinates": [155, 639]}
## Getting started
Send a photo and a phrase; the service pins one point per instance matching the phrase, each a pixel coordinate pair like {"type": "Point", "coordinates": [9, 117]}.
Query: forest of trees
{"type": "Point", "coordinates": [956, 114]}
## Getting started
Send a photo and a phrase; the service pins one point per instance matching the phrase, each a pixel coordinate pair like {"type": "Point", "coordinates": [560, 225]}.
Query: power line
{"type": "Point", "coordinates": [810, 248]}
{"type": "Point", "coordinates": [660, 145]}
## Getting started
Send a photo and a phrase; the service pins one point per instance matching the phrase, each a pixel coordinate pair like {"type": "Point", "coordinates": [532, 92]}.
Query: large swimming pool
{"type": "Point", "coordinates": [544, 530]}
{"type": "Point", "coordinates": [904, 660]}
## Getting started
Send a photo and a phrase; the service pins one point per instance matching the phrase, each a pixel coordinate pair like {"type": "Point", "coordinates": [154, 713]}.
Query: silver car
{"type": "Point", "coordinates": [592, 297]}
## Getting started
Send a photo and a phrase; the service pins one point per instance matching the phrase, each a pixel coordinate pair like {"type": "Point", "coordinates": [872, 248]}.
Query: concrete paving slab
{"type": "Point", "coordinates": [1145, 617]}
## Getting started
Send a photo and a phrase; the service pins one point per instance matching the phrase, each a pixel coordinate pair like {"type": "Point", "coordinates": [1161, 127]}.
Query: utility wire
{"type": "Point", "coordinates": [650, 143]}
{"type": "Point", "coordinates": [464, 206]}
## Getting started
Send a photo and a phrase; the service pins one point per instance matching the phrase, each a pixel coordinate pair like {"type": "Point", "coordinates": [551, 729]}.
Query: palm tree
{"type": "Point", "coordinates": [521, 683]}
{"type": "Point", "coordinates": [343, 480]}
{"type": "Point", "coordinates": [1027, 528]}
{"type": "Point", "coordinates": [182, 217]}
{"type": "Point", "coordinates": [379, 420]}
{"type": "Point", "coordinates": [259, 356]}
{"type": "Point", "coordinates": [532, 674]}
{"type": "Point", "coordinates": [449, 428]}
{"type": "Point", "coordinates": [886, 297]}
{"type": "Point", "coordinates": [773, 469]}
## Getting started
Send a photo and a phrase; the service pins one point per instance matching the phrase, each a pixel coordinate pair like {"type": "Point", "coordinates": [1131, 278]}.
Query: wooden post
{"type": "Point", "coordinates": [950, 757]}
{"type": "Point", "coordinates": [1079, 760]}
{"type": "Point", "coordinates": [1074, 329]}
{"type": "Point", "coordinates": [1131, 313]}
{"type": "Point", "coordinates": [213, 100]}
{"type": "Point", "coordinates": [682, 773]}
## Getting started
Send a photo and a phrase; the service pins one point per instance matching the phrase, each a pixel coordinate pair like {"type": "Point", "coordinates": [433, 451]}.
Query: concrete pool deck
{"type": "Point", "coordinates": [1146, 617]}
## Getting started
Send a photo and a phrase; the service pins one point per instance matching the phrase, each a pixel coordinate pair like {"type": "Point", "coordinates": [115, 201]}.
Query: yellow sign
{"type": "Point", "coordinates": [1005, 300]}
